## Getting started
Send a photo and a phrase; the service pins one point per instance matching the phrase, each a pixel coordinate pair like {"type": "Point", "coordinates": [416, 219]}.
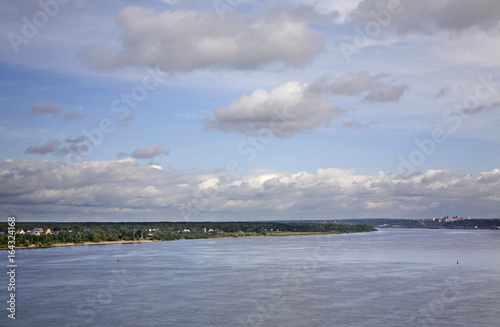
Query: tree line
{"type": "Point", "coordinates": [62, 233]}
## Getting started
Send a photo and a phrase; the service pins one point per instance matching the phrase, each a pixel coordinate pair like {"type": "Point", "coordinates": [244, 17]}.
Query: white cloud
{"type": "Point", "coordinates": [428, 16]}
{"type": "Point", "coordinates": [156, 166]}
{"type": "Point", "coordinates": [149, 152]}
{"type": "Point", "coordinates": [469, 48]}
{"type": "Point", "coordinates": [293, 107]}
{"type": "Point", "coordinates": [182, 41]}
{"type": "Point", "coordinates": [30, 188]}
{"type": "Point", "coordinates": [284, 111]}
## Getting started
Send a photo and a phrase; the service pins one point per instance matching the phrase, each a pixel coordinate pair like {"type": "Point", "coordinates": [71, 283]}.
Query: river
{"type": "Point", "coordinates": [392, 277]}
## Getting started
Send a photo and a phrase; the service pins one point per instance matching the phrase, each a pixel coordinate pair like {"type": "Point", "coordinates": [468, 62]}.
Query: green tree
{"type": "Point", "coordinates": [95, 237]}
{"type": "Point", "coordinates": [138, 234]}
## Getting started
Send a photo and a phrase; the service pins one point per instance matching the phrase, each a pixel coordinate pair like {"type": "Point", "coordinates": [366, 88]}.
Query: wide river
{"type": "Point", "coordinates": [395, 277]}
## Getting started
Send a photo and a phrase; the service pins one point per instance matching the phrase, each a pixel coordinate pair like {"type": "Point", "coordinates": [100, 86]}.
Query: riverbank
{"type": "Point", "coordinates": [93, 233]}
{"type": "Point", "coordinates": [222, 235]}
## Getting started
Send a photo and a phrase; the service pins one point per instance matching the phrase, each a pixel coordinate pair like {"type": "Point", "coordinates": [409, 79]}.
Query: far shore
{"type": "Point", "coordinates": [33, 246]}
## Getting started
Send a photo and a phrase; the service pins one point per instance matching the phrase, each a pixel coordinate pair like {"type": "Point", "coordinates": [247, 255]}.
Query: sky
{"type": "Point", "coordinates": [249, 110]}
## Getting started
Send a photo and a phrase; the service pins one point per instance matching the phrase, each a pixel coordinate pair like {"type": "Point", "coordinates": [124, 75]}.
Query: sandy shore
{"type": "Point", "coordinates": [103, 242]}
{"type": "Point", "coordinates": [33, 246]}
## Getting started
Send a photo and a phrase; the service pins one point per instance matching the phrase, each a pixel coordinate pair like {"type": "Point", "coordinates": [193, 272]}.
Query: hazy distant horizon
{"type": "Point", "coordinates": [225, 110]}
{"type": "Point", "coordinates": [224, 220]}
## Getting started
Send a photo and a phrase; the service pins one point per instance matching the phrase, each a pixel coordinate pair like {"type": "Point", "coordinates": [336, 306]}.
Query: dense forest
{"type": "Point", "coordinates": [62, 233]}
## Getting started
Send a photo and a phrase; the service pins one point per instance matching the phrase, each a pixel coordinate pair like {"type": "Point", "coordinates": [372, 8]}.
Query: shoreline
{"type": "Point", "coordinates": [284, 234]}
{"type": "Point", "coordinates": [280, 234]}
{"type": "Point", "coordinates": [33, 246]}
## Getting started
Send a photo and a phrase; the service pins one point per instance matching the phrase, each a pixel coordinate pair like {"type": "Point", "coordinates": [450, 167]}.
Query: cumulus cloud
{"type": "Point", "coordinates": [293, 107]}
{"type": "Point", "coordinates": [45, 109]}
{"type": "Point", "coordinates": [29, 188]}
{"type": "Point", "coordinates": [429, 15]}
{"type": "Point", "coordinates": [286, 110]}
{"type": "Point", "coordinates": [74, 114]}
{"type": "Point", "coordinates": [149, 152]}
{"type": "Point", "coordinates": [49, 147]}
{"type": "Point", "coordinates": [182, 41]}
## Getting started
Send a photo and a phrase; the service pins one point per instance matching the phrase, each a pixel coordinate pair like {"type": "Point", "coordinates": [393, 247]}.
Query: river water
{"type": "Point", "coordinates": [392, 277]}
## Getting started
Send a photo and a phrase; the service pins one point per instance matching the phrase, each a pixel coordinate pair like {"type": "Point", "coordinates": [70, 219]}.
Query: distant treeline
{"type": "Point", "coordinates": [428, 223]}
{"type": "Point", "coordinates": [61, 233]}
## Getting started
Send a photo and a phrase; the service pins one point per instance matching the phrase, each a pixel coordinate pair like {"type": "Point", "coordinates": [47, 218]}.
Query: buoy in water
{"type": "Point", "coordinates": [457, 261]}
{"type": "Point", "coordinates": [119, 260]}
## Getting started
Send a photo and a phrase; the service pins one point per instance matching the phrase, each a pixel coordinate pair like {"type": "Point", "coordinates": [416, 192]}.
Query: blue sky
{"type": "Point", "coordinates": [209, 110]}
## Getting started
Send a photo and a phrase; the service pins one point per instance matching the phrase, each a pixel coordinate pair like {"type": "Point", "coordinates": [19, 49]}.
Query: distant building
{"type": "Point", "coordinates": [186, 230]}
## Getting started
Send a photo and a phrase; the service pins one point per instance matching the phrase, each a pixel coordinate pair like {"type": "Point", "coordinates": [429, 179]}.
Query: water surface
{"type": "Point", "coordinates": [385, 278]}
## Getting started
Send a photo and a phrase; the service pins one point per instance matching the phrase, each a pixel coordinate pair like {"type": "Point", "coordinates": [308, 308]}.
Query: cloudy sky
{"type": "Point", "coordinates": [249, 110]}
